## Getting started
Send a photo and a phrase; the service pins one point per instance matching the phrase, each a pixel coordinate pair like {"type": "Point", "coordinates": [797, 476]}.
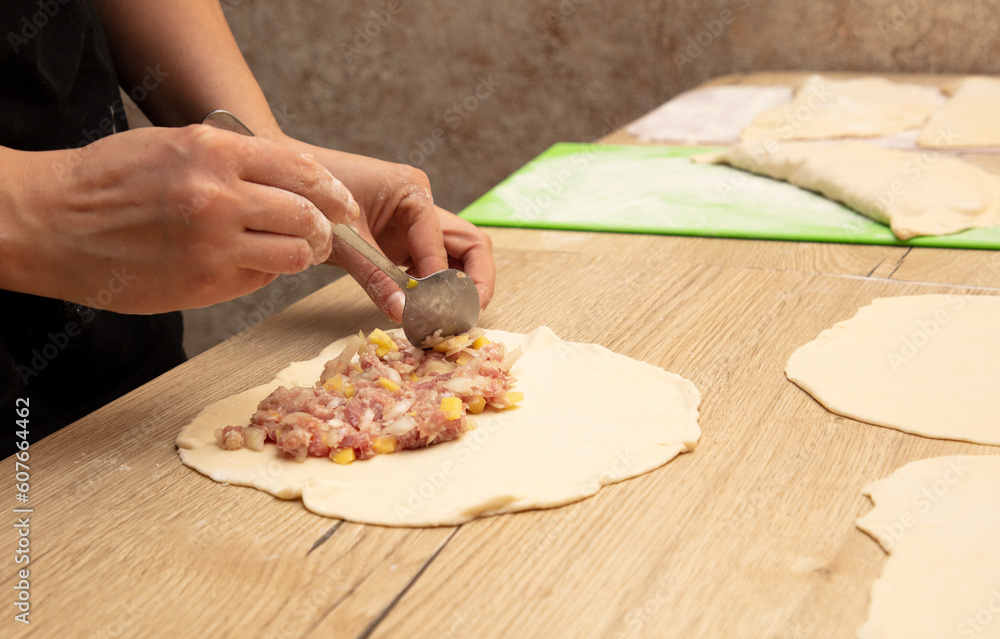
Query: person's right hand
{"type": "Point", "coordinates": [160, 219]}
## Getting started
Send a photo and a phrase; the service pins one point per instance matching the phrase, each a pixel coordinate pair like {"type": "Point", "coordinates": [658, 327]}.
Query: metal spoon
{"type": "Point", "coordinates": [447, 300]}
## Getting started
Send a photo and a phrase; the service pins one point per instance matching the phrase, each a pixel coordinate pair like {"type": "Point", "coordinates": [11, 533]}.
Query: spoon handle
{"type": "Point", "coordinates": [358, 243]}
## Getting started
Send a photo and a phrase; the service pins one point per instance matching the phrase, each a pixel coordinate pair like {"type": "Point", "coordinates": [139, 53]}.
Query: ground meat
{"type": "Point", "coordinates": [381, 395]}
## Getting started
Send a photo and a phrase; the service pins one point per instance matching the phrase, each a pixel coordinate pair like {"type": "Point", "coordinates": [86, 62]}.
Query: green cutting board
{"type": "Point", "coordinates": [657, 189]}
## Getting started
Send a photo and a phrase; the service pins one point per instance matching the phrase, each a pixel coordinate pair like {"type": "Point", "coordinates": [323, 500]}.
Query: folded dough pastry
{"type": "Point", "coordinates": [915, 193]}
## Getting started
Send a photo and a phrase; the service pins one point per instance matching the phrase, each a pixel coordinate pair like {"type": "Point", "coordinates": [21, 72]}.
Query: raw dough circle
{"type": "Point", "coordinates": [590, 417]}
{"type": "Point", "coordinates": [939, 519]}
{"type": "Point", "coordinates": [928, 365]}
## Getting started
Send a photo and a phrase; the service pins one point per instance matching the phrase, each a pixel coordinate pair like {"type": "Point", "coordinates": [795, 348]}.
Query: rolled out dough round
{"type": "Point", "coordinates": [928, 365]}
{"type": "Point", "coordinates": [863, 107]}
{"type": "Point", "coordinates": [939, 520]}
{"type": "Point", "coordinates": [589, 417]}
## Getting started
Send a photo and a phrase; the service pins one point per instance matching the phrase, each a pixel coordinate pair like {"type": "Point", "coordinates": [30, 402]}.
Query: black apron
{"type": "Point", "coordinates": [58, 90]}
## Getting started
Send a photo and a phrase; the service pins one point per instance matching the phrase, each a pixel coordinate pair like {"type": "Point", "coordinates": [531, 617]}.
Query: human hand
{"type": "Point", "coordinates": [399, 217]}
{"type": "Point", "coordinates": [168, 218]}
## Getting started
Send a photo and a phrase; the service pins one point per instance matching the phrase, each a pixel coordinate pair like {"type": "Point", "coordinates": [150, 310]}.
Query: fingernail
{"type": "Point", "coordinates": [395, 305]}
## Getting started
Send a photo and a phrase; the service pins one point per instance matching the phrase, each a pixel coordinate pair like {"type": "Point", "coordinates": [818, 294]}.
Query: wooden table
{"type": "Point", "coordinates": [750, 535]}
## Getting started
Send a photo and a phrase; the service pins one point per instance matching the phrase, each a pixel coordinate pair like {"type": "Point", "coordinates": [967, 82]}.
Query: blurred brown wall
{"type": "Point", "coordinates": [469, 90]}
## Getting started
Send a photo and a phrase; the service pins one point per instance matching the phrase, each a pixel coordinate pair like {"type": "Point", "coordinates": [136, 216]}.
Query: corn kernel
{"type": "Point", "coordinates": [388, 384]}
{"type": "Point", "coordinates": [514, 397]}
{"type": "Point", "coordinates": [348, 391]}
{"type": "Point", "coordinates": [411, 283]}
{"type": "Point", "coordinates": [452, 407]}
{"type": "Point", "coordinates": [334, 383]}
{"type": "Point", "coordinates": [414, 377]}
{"type": "Point", "coordinates": [463, 359]}
{"type": "Point", "coordinates": [384, 445]}
{"type": "Point", "coordinates": [343, 456]}
{"type": "Point", "coordinates": [381, 339]}
{"type": "Point", "coordinates": [481, 341]}
{"type": "Point", "coordinates": [477, 405]}
{"type": "Point", "coordinates": [452, 343]}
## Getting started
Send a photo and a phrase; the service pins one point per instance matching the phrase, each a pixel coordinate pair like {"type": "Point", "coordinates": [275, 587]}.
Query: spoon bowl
{"type": "Point", "coordinates": [447, 301]}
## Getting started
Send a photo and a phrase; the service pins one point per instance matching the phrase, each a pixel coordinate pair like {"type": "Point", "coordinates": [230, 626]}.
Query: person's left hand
{"type": "Point", "coordinates": [398, 216]}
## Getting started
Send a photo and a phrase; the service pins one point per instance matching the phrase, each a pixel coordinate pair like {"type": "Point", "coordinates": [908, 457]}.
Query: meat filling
{"type": "Point", "coordinates": [381, 395]}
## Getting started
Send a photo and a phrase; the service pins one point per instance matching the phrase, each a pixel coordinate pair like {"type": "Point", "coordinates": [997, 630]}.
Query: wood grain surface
{"type": "Point", "coordinates": [750, 535]}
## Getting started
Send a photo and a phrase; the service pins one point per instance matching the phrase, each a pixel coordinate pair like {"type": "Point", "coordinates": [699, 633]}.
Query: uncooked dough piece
{"type": "Point", "coordinates": [970, 118]}
{"type": "Point", "coordinates": [590, 417]}
{"type": "Point", "coordinates": [866, 107]}
{"type": "Point", "coordinates": [913, 193]}
{"type": "Point", "coordinates": [712, 114]}
{"type": "Point", "coordinates": [928, 365]}
{"type": "Point", "coordinates": [939, 520]}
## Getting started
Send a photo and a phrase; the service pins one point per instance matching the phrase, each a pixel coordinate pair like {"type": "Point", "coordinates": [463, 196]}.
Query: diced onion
{"type": "Point", "coordinates": [398, 409]}
{"type": "Point", "coordinates": [509, 359]}
{"type": "Point", "coordinates": [460, 385]}
{"type": "Point", "coordinates": [354, 343]}
{"type": "Point", "coordinates": [393, 374]}
{"type": "Point", "coordinates": [254, 437]}
{"type": "Point", "coordinates": [400, 426]}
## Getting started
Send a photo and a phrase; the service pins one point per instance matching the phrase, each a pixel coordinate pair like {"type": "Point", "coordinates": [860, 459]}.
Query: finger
{"type": "Point", "coordinates": [426, 244]}
{"type": "Point", "coordinates": [271, 253]}
{"type": "Point", "coordinates": [473, 250]}
{"type": "Point", "coordinates": [272, 164]}
{"type": "Point", "coordinates": [273, 210]}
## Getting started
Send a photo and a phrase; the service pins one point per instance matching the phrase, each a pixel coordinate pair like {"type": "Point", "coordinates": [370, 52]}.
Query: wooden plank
{"type": "Point", "coordinates": [970, 268]}
{"type": "Point", "coordinates": [751, 535]}
{"type": "Point", "coordinates": [804, 257]}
